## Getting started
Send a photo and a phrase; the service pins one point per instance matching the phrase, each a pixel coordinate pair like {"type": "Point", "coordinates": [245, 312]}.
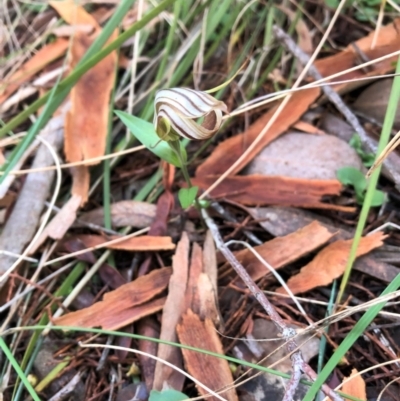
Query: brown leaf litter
{"type": "Point", "coordinates": [355, 386]}
{"type": "Point", "coordinates": [212, 371]}
{"type": "Point", "coordinates": [281, 251]}
{"type": "Point", "coordinates": [388, 42]}
{"type": "Point", "coordinates": [36, 63]}
{"type": "Point", "coordinates": [125, 305]}
{"type": "Point", "coordinates": [123, 214]}
{"type": "Point", "coordinates": [74, 14]}
{"type": "Point", "coordinates": [143, 243]}
{"type": "Point", "coordinates": [173, 309]}
{"type": "Point", "coordinates": [260, 190]}
{"type": "Point", "coordinates": [229, 151]}
{"type": "Point", "coordinates": [192, 287]}
{"type": "Point", "coordinates": [330, 263]}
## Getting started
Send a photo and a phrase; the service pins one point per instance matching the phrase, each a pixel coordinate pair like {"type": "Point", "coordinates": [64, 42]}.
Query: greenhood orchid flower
{"type": "Point", "coordinates": [177, 111]}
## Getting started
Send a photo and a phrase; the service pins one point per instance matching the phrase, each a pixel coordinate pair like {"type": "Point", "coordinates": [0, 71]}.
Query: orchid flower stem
{"type": "Point", "coordinates": [176, 147]}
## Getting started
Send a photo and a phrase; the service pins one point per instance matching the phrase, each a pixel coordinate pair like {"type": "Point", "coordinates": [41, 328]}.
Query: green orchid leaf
{"type": "Point", "coordinates": [145, 133]}
{"type": "Point", "coordinates": [355, 178]}
{"type": "Point", "coordinates": [378, 198]}
{"type": "Point", "coordinates": [187, 196]}
{"type": "Point", "coordinates": [167, 395]}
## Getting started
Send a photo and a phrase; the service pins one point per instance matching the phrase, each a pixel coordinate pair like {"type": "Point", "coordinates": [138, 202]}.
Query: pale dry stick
{"type": "Point", "coordinates": [172, 366]}
{"type": "Point", "coordinates": [234, 26]}
{"type": "Point", "coordinates": [12, 140]}
{"type": "Point", "coordinates": [386, 387]}
{"type": "Point", "coordinates": [337, 101]}
{"type": "Point", "coordinates": [198, 64]}
{"type": "Point", "coordinates": [274, 96]}
{"type": "Point", "coordinates": [47, 214]}
{"type": "Point", "coordinates": [86, 162]}
{"type": "Point", "coordinates": [185, 46]}
{"type": "Point", "coordinates": [30, 289]}
{"type": "Point", "coordinates": [275, 273]}
{"type": "Point", "coordinates": [67, 389]}
{"type": "Point", "coordinates": [122, 90]}
{"type": "Point", "coordinates": [394, 5]}
{"type": "Point", "coordinates": [27, 91]}
{"type": "Point", "coordinates": [383, 226]}
{"type": "Point", "coordinates": [280, 107]}
{"type": "Point", "coordinates": [315, 84]}
{"type": "Point", "coordinates": [393, 316]}
{"type": "Point", "coordinates": [18, 255]}
{"type": "Point", "coordinates": [228, 216]}
{"type": "Point", "coordinates": [136, 48]}
{"type": "Point", "coordinates": [389, 148]}
{"type": "Point", "coordinates": [338, 316]}
{"type": "Point", "coordinates": [287, 333]}
{"type": "Point", "coordinates": [378, 23]}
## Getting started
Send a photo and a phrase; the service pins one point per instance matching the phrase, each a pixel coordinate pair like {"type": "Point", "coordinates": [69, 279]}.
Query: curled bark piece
{"type": "Point", "coordinates": [22, 223]}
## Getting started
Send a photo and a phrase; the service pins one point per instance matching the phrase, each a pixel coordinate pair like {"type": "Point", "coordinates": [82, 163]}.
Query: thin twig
{"type": "Point", "coordinates": [228, 216]}
{"type": "Point", "coordinates": [298, 363]}
{"type": "Point", "coordinates": [369, 143]}
{"type": "Point", "coordinates": [67, 389]}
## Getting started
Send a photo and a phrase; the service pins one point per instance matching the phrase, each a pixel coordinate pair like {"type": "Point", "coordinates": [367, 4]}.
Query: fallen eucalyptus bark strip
{"type": "Point", "coordinates": [298, 363]}
{"type": "Point", "coordinates": [22, 224]}
{"type": "Point", "coordinates": [391, 165]}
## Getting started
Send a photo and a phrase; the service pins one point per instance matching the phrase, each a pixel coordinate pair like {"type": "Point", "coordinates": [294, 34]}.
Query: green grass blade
{"type": "Point", "coordinates": [182, 346]}
{"type": "Point", "coordinates": [350, 339]}
{"type": "Point", "coordinates": [20, 373]}
{"type": "Point", "coordinates": [88, 63]}
{"type": "Point", "coordinates": [384, 139]}
{"type": "Point", "coordinates": [36, 341]}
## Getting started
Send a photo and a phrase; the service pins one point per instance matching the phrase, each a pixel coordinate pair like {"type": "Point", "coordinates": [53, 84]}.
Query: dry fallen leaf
{"type": "Point", "coordinates": [211, 371]}
{"type": "Point", "coordinates": [60, 223]}
{"type": "Point", "coordinates": [143, 243]}
{"type": "Point", "coordinates": [330, 263]}
{"type": "Point", "coordinates": [174, 307]}
{"type": "Point", "coordinates": [123, 214]}
{"type": "Point", "coordinates": [124, 305]}
{"type": "Point", "coordinates": [269, 190]}
{"type": "Point", "coordinates": [309, 128]}
{"type": "Point", "coordinates": [81, 183]}
{"type": "Point", "coordinates": [355, 386]}
{"type": "Point", "coordinates": [281, 251]}
{"type": "Point", "coordinates": [73, 13]}
{"type": "Point", "coordinates": [373, 101]}
{"type": "Point", "coordinates": [43, 57]}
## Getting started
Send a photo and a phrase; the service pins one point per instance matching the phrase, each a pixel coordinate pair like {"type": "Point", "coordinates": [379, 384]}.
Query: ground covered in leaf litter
{"type": "Point", "coordinates": [169, 282]}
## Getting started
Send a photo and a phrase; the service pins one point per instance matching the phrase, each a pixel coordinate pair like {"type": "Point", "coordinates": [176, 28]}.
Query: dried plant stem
{"type": "Point", "coordinates": [298, 363]}
{"type": "Point", "coordinates": [369, 143]}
